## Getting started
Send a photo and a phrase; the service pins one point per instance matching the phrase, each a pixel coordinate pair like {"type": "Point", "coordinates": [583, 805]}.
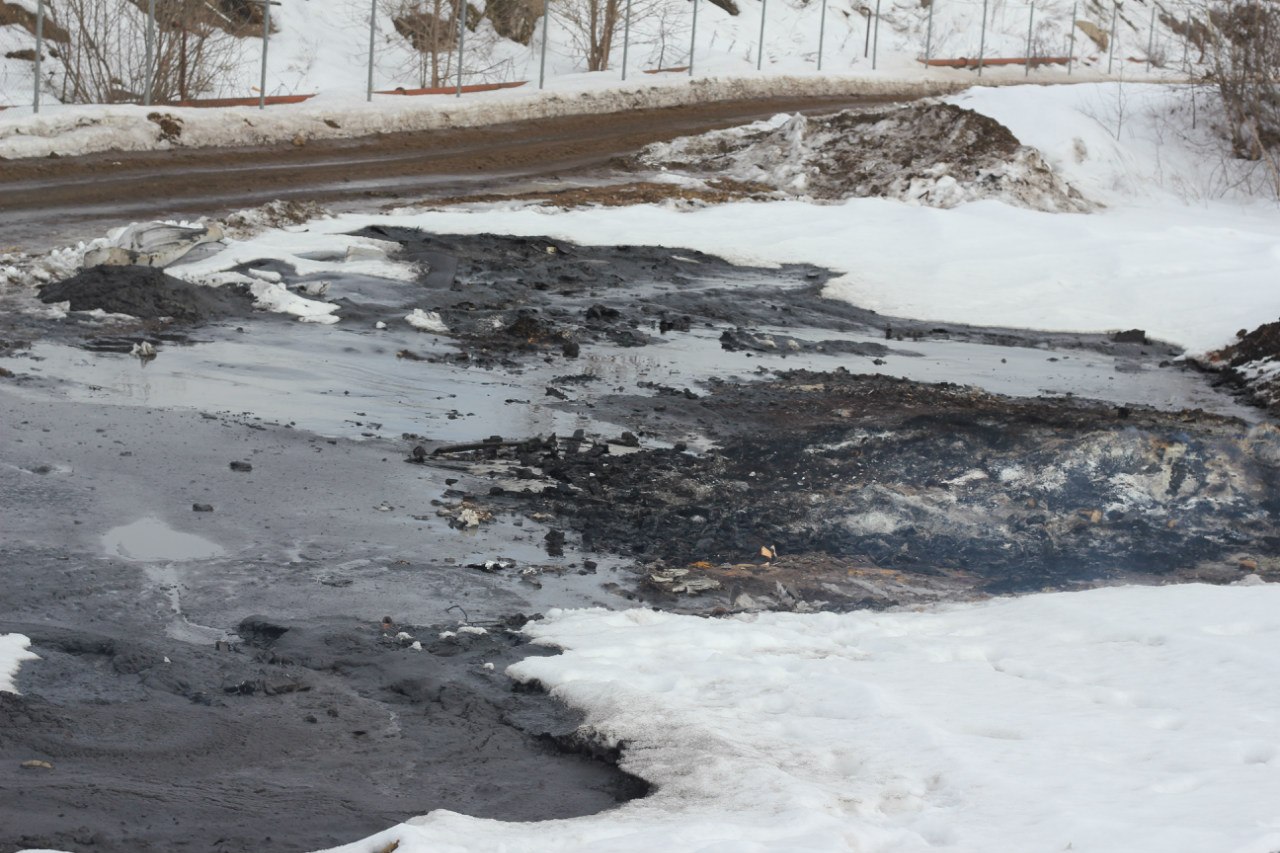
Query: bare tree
{"type": "Point", "coordinates": [431, 29]}
{"type": "Point", "coordinates": [594, 26]}
{"type": "Point", "coordinates": [591, 25]}
{"type": "Point", "coordinates": [104, 59]}
{"type": "Point", "coordinates": [1244, 57]}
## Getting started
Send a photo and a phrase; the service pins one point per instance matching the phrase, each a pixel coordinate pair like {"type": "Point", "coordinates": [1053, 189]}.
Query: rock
{"type": "Point", "coordinates": [169, 125]}
{"type": "Point", "coordinates": [426, 321]}
{"type": "Point", "coordinates": [555, 542]}
{"type": "Point", "coordinates": [514, 19]}
{"type": "Point", "coordinates": [242, 467]}
{"type": "Point", "coordinates": [1129, 336]}
{"type": "Point", "coordinates": [36, 764]}
{"type": "Point", "coordinates": [202, 507]}
{"type": "Point", "coordinates": [1095, 33]}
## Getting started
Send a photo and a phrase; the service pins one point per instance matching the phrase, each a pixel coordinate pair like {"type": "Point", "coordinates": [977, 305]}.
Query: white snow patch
{"type": "Point", "coordinates": [426, 321]}
{"type": "Point", "coordinates": [1123, 720]}
{"type": "Point", "coordinates": [271, 296]}
{"type": "Point", "coordinates": [13, 651]}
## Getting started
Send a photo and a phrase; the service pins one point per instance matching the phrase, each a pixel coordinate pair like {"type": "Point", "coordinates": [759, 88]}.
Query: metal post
{"type": "Point", "coordinates": [151, 52]}
{"type": "Point", "coordinates": [928, 34]}
{"type": "Point", "coordinates": [693, 36]}
{"type": "Point", "coordinates": [626, 40]}
{"type": "Point", "coordinates": [1151, 36]}
{"type": "Point", "coordinates": [764, 4]}
{"type": "Point", "coordinates": [266, 32]}
{"type": "Point", "coordinates": [982, 40]}
{"type": "Point", "coordinates": [1072, 49]}
{"type": "Point", "coordinates": [462, 39]}
{"type": "Point", "coordinates": [35, 95]}
{"type": "Point", "coordinates": [875, 41]}
{"type": "Point", "coordinates": [546, 22]}
{"type": "Point", "coordinates": [866, 43]}
{"type": "Point", "coordinates": [822, 32]}
{"type": "Point", "coordinates": [373, 20]}
{"type": "Point", "coordinates": [1031, 22]}
{"type": "Point", "coordinates": [1111, 44]}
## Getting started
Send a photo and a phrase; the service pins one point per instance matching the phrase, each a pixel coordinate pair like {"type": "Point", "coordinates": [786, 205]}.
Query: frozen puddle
{"type": "Point", "coordinates": [150, 540]}
{"type": "Point", "coordinates": [344, 382]}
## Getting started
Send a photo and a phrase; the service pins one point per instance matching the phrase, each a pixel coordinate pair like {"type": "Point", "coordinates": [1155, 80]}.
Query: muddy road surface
{"type": "Point", "coordinates": [44, 200]}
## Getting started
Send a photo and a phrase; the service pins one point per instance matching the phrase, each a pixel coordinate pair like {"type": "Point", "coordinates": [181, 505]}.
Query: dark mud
{"type": "Point", "coordinates": [505, 298]}
{"type": "Point", "coordinates": [299, 736]}
{"type": "Point", "coordinates": [851, 486]}
{"type": "Point", "coordinates": [258, 700]}
{"type": "Point", "coordinates": [147, 293]}
{"type": "Point", "coordinates": [1249, 366]}
{"type": "Point", "coordinates": [930, 153]}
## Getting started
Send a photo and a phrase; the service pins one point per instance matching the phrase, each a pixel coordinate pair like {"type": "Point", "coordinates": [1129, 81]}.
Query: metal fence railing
{"type": "Point", "coordinates": [1050, 38]}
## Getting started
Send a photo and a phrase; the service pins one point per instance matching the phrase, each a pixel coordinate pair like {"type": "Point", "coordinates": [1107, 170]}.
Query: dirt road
{"type": "Point", "coordinates": [43, 199]}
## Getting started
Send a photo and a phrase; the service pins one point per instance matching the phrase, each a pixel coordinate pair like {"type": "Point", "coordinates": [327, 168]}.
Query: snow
{"type": "Point", "coordinates": [1123, 143]}
{"type": "Point", "coordinates": [1129, 719]}
{"type": "Point", "coordinates": [13, 651]}
{"type": "Point", "coordinates": [276, 297]}
{"type": "Point", "coordinates": [71, 130]}
{"type": "Point", "coordinates": [426, 321]}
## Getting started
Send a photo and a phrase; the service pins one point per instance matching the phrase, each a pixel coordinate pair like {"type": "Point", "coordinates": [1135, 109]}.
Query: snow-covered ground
{"type": "Point", "coordinates": [1127, 719]}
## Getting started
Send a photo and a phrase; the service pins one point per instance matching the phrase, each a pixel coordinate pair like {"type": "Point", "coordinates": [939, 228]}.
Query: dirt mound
{"type": "Point", "coordinates": [873, 473]}
{"type": "Point", "coordinates": [1252, 364]}
{"type": "Point", "coordinates": [145, 292]}
{"type": "Point", "coordinates": [938, 155]}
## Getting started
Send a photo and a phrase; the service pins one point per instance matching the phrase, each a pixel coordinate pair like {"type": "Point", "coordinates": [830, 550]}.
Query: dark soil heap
{"type": "Point", "coordinates": [146, 292]}
{"type": "Point", "coordinates": [1250, 364]}
{"type": "Point", "coordinates": [929, 480]}
{"type": "Point", "coordinates": [934, 154]}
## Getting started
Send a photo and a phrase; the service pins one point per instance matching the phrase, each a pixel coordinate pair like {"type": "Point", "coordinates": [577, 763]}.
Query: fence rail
{"type": "Point", "coordinates": [1105, 30]}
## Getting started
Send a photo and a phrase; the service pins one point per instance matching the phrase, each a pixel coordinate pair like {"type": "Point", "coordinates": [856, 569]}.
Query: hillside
{"type": "Point", "coordinates": [322, 46]}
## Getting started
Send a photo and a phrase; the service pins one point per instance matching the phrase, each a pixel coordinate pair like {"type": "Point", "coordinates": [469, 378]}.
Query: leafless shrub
{"type": "Point", "coordinates": [1244, 56]}
{"type": "Point", "coordinates": [430, 28]}
{"type": "Point", "coordinates": [105, 58]}
{"type": "Point", "coordinates": [594, 26]}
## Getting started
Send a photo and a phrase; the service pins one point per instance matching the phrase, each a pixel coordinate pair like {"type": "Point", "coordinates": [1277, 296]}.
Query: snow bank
{"type": "Point", "coordinates": [86, 129]}
{"type": "Point", "coordinates": [1123, 143]}
{"type": "Point", "coordinates": [13, 651]}
{"type": "Point", "coordinates": [1123, 720]}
